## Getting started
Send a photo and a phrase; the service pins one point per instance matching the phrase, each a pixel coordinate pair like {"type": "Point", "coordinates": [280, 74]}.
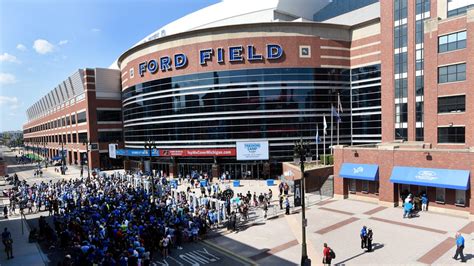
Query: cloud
{"type": "Point", "coordinates": [63, 42]}
{"type": "Point", "coordinates": [43, 46]}
{"type": "Point", "coordinates": [6, 57]}
{"type": "Point", "coordinates": [95, 30]}
{"type": "Point", "coordinates": [21, 47]}
{"type": "Point", "coordinates": [10, 101]}
{"type": "Point", "coordinates": [7, 78]}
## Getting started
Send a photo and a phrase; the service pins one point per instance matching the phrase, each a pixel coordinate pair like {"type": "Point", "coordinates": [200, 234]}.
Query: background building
{"type": "Point", "coordinates": [83, 109]}
{"type": "Point", "coordinates": [427, 81]}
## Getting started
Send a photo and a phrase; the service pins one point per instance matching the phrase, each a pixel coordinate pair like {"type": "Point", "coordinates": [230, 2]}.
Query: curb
{"type": "Point", "coordinates": [245, 260]}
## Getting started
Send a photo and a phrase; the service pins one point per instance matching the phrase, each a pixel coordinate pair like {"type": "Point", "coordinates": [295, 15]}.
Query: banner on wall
{"type": "Point", "coordinates": [198, 152]}
{"type": "Point", "coordinates": [113, 150]}
{"type": "Point", "coordinates": [252, 150]}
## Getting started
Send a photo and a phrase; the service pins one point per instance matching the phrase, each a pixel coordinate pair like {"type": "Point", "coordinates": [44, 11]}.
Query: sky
{"type": "Point", "coordinates": [42, 42]}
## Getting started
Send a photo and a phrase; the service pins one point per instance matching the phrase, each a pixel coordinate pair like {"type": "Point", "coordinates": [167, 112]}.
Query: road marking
{"type": "Point", "coordinates": [195, 258]}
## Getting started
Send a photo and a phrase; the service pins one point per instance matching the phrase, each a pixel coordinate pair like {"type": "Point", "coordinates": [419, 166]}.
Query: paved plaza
{"type": "Point", "coordinates": [427, 239]}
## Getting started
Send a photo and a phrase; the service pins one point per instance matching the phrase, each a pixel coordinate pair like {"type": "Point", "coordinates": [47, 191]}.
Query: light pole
{"type": "Point", "coordinates": [62, 156]}
{"type": "Point", "coordinates": [87, 143]}
{"type": "Point", "coordinates": [150, 145]}
{"type": "Point", "coordinates": [301, 152]}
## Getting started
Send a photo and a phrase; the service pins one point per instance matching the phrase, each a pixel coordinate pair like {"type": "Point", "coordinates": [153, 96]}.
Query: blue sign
{"type": "Point", "coordinates": [235, 54]}
{"type": "Point", "coordinates": [138, 152]}
{"type": "Point", "coordinates": [431, 177]}
{"type": "Point", "coordinates": [368, 172]}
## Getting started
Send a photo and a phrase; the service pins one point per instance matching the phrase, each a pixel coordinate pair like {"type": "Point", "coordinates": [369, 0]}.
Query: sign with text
{"type": "Point", "coordinates": [198, 152]}
{"type": "Point", "coordinates": [252, 150]}
{"type": "Point", "coordinates": [297, 192]}
{"type": "Point", "coordinates": [138, 152]}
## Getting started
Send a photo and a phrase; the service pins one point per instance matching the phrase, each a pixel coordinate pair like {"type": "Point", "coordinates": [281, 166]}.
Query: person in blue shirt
{"type": "Point", "coordinates": [363, 237]}
{"type": "Point", "coordinates": [459, 247]}
{"type": "Point", "coordinates": [424, 202]}
{"type": "Point", "coordinates": [407, 208]}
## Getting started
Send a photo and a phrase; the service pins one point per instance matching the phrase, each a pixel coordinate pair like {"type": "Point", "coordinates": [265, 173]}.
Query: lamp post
{"type": "Point", "coordinates": [87, 143]}
{"type": "Point", "coordinates": [150, 145]}
{"type": "Point", "coordinates": [61, 141]}
{"type": "Point", "coordinates": [301, 152]}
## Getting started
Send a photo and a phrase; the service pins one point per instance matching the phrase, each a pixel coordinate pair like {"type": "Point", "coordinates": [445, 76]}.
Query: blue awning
{"type": "Point", "coordinates": [431, 177]}
{"type": "Point", "coordinates": [368, 172]}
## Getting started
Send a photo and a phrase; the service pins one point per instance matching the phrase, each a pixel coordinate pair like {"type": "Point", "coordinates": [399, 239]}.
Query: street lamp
{"type": "Point", "coordinates": [61, 141]}
{"type": "Point", "coordinates": [87, 143]}
{"type": "Point", "coordinates": [150, 145]}
{"type": "Point", "coordinates": [301, 153]}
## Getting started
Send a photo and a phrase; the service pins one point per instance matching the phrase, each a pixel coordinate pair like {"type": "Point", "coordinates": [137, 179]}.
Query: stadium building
{"type": "Point", "coordinates": [231, 87]}
{"type": "Point", "coordinates": [263, 72]}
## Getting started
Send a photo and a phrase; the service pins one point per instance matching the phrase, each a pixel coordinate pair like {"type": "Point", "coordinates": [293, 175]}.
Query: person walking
{"type": "Point", "coordinates": [424, 202]}
{"type": "Point", "coordinates": [327, 257]}
{"type": "Point", "coordinates": [281, 202]}
{"type": "Point", "coordinates": [370, 237]}
{"type": "Point", "coordinates": [459, 247]}
{"type": "Point", "coordinates": [5, 212]}
{"type": "Point", "coordinates": [8, 243]}
{"type": "Point", "coordinates": [287, 206]}
{"type": "Point", "coordinates": [363, 237]}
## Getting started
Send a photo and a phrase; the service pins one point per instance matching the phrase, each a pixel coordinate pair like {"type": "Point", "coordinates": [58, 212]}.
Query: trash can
{"type": "Point", "coordinates": [236, 183]}
{"type": "Point", "coordinates": [270, 182]}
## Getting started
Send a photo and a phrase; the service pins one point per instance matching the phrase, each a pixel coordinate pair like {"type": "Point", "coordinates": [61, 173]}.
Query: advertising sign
{"type": "Point", "coordinates": [252, 150]}
{"type": "Point", "coordinates": [113, 150]}
{"type": "Point", "coordinates": [137, 152]}
{"type": "Point", "coordinates": [297, 192]}
{"type": "Point", "coordinates": [198, 152]}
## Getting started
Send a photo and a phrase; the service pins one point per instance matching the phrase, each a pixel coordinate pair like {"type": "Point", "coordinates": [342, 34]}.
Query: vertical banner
{"type": "Point", "coordinates": [113, 150]}
{"type": "Point", "coordinates": [297, 192]}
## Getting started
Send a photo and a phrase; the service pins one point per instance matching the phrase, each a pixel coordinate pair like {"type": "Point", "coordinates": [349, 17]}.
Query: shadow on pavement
{"type": "Point", "coordinates": [249, 252]}
{"type": "Point", "coordinates": [375, 246]}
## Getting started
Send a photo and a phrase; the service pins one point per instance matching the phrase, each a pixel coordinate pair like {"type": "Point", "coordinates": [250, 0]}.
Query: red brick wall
{"type": "Point", "coordinates": [387, 159]}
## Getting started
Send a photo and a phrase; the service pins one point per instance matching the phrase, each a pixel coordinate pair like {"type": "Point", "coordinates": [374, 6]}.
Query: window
{"type": "Point", "coordinates": [73, 119]}
{"type": "Point", "coordinates": [440, 195]}
{"type": "Point", "coordinates": [365, 186]}
{"type": "Point", "coordinates": [452, 42]}
{"type": "Point", "coordinates": [451, 134]}
{"type": "Point", "coordinates": [452, 104]}
{"type": "Point", "coordinates": [460, 197]}
{"type": "Point", "coordinates": [81, 117]}
{"type": "Point", "coordinates": [452, 73]}
{"type": "Point", "coordinates": [82, 137]}
{"type": "Point", "coordinates": [68, 121]}
{"type": "Point", "coordinates": [69, 138]}
{"type": "Point", "coordinates": [74, 137]}
{"type": "Point", "coordinates": [110, 136]}
{"type": "Point", "coordinates": [352, 185]}
{"type": "Point", "coordinates": [109, 115]}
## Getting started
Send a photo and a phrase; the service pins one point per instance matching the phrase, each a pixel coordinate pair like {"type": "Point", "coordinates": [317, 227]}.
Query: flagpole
{"type": "Point", "coordinates": [332, 127]}
{"type": "Point", "coordinates": [338, 104]}
{"type": "Point", "coordinates": [324, 142]}
{"type": "Point", "coordinates": [317, 143]}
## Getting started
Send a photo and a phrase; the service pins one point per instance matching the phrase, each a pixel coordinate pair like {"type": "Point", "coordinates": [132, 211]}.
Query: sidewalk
{"type": "Point", "coordinates": [25, 253]}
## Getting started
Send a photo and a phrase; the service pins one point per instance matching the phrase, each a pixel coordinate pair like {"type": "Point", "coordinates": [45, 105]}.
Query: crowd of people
{"type": "Point", "coordinates": [108, 221]}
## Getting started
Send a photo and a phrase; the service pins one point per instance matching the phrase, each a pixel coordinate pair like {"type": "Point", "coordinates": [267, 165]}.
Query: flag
{"type": "Point", "coordinates": [318, 139]}
{"type": "Point", "coordinates": [339, 104]}
{"type": "Point", "coordinates": [325, 125]}
{"type": "Point", "coordinates": [336, 114]}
